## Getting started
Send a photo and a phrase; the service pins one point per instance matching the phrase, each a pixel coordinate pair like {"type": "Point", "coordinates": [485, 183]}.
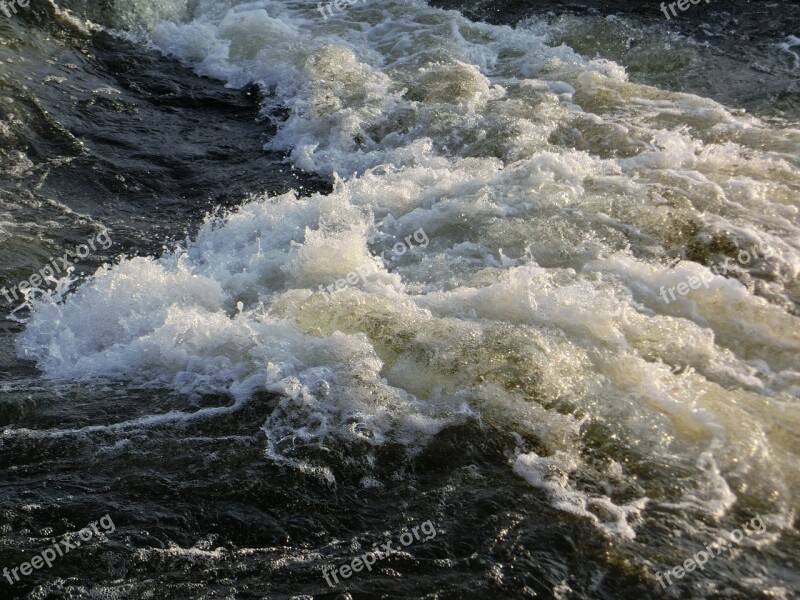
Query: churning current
{"type": "Point", "coordinates": [549, 309]}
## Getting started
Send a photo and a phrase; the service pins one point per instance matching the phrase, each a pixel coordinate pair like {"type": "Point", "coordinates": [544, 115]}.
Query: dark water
{"type": "Point", "coordinates": [100, 132]}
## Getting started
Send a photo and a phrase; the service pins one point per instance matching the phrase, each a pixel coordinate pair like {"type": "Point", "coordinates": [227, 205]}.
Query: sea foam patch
{"type": "Point", "coordinates": [553, 193]}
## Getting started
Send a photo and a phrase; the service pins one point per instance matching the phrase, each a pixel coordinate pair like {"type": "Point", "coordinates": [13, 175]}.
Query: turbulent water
{"type": "Point", "coordinates": [391, 266]}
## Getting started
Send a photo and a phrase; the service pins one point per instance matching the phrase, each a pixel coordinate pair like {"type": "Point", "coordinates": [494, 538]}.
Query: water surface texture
{"type": "Point", "coordinates": [527, 272]}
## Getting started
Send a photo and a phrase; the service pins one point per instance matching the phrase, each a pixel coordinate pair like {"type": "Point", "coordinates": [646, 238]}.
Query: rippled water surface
{"type": "Point", "coordinates": [527, 273]}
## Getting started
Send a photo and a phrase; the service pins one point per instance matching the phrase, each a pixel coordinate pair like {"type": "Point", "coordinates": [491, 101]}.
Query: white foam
{"type": "Point", "coordinates": [551, 190]}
